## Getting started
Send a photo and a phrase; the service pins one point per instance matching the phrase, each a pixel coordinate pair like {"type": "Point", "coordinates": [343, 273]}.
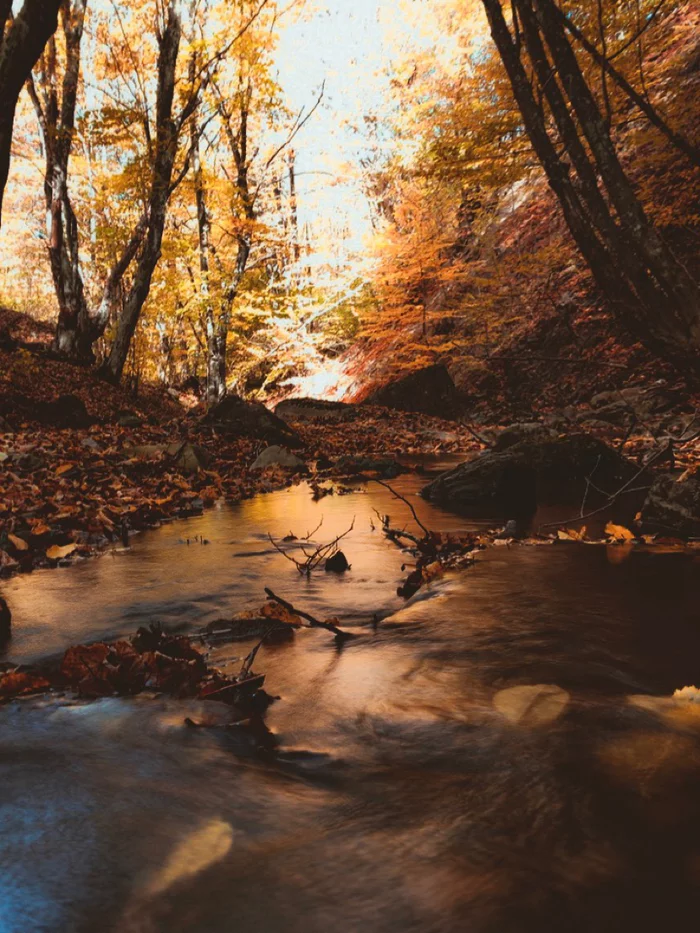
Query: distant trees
{"type": "Point", "coordinates": [568, 122]}
{"type": "Point", "coordinates": [22, 39]}
{"type": "Point", "coordinates": [252, 132]}
{"type": "Point", "coordinates": [159, 126]}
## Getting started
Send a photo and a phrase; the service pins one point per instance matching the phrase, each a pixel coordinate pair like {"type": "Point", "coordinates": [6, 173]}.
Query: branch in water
{"type": "Point", "coordinates": [313, 622]}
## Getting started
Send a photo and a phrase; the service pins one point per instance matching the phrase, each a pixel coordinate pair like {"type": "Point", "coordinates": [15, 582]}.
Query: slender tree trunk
{"type": "Point", "coordinates": [649, 290]}
{"type": "Point", "coordinates": [167, 135]}
{"type": "Point", "coordinates": [217, 337]}
{"type": "Point", "coordinates": [216, 348]}
{"type": "Point", "coordinates": [22, 40]}
{"type": "Point", "coordinates": [294, 208]}
{"type": "Point", "coordinates": [681, 142]}
{"type": "Point", "coordinates": [57, 125]}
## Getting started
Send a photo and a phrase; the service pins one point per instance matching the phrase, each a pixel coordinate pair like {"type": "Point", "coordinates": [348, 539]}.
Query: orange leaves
{"type": "Point", "coordinates": [571, 534]}
{"type": "Point", "coordinates": [58, 553]}
{"type": "Point", "coordinates": [18, 543]}
{"type": "Point", "coordinates": [619, 533]}
{"type": "Point", "coordinates": [21, 683]}
{"type": "Point", "coordinates": [151, 660]}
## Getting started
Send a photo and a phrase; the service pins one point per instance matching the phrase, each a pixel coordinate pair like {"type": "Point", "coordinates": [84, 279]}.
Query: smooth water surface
{"type": "Point", "coordinates": [405, 785]}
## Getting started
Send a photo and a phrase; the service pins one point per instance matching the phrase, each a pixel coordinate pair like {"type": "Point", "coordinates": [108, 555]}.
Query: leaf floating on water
{"type": "Point", "coordinates": [193, 854]}
{"type": "Point", "coordinates": [57, 552]}
{"type": "Point", "coordinates": [618, 532]}
{"type": "Point", "coordinates": [531, 704]}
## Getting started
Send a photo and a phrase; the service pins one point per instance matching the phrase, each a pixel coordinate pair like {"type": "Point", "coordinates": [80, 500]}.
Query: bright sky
{"type": "Point", "coordinates": [347, 44]}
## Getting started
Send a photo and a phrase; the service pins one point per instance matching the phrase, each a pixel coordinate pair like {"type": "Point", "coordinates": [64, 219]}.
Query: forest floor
{"type": "Point", "coordinates": [68, 492]}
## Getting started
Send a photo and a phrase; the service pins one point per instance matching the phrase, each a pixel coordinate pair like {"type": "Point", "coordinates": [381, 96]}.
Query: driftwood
{"type": "Point", "coordinates": [432, 549]}
{"type": "Point", "coordinates": [313, 622]}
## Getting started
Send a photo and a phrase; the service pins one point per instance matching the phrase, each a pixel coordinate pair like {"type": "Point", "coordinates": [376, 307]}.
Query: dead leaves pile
{"type": "Point", "coordinates": [614, 535]}
{"type": "Point", "coordinates": [383, 432]}
{"type": "Point", "coordinates": [150, 661]}
{"type": "Point", "coordinates": [66, 494]}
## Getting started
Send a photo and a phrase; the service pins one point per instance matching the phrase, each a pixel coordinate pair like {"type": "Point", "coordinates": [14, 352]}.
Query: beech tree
{"type": "Point", "coordinates": [254, 131]}
{"type": "Point", "coordinates": [22, 39]}
{"type": "Point", "coordinates": [55, 99]}
{"type": "Point", "coordinates": [647, 286]}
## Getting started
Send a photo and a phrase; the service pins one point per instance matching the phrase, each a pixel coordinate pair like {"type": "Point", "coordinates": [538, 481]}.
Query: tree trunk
{"type": "Point", "coordinates": [648, 289]}
{"type": "Point", "coordinates": [167, 135]}
{"type": "Point", "coordinates": [22, 40]}
{"type": "Point", "coordinates": [216, 349]}
{"type": "Point", "coordinates": [57, 125]}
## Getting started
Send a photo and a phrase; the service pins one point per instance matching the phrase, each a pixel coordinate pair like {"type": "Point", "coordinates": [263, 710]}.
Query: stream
{"type": "Point", "coordinates": [412, 780]}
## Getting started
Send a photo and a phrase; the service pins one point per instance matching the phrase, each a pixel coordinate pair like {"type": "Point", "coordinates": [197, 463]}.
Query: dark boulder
{"type": "Point", "coordinates": [233, 415]}
{"type": "Point", "coordinates": [673, 506]}
{"type": "Point", "coordinates": [7, 341]}
{"type": "Point", "coordinates": [67, 411]}
{"type": "Point", "coordinates": [429, 391]}
{"type": "Point", "coordinates": [512, 483]}
{"type": "Point", "coordinates": [314, 409]}
{"type": "Point", "coordinates": [524, 431]}
{"type": "Point", "coordinates": [194, 385]}
{"type": "Point", "coordinates": [384, 466]}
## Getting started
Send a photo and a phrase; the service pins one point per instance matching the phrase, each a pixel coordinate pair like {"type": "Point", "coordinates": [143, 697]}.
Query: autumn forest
{"type": "Point", "coordinates": [349, 465]}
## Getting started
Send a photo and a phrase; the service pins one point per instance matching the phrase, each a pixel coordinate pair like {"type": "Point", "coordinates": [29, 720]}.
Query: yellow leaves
{"type": "Point", "coordinates": [618, 532]}
{"type": "Point", "coordinates": [40, 528]}
{"type": "Point", "coordinates": [64, 468]}
{"type": "Point", "coordinates": [56, 552]}
{"type": "Point", "coordinates": [19, 543]}
{"type": "Point", "coordinates": [571, 534]}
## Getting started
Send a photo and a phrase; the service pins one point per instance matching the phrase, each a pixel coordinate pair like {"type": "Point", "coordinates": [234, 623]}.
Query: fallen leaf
{"type": "Point", "coordinates": [64, 468]}
{"type": "Point", "coordinates": [618, 532]}
{"type": "Point", "coordinates": [531, 705]}
{"type": "Point", "coordinates": [19, 543]}
{"type": "Point", "coordinates": [57, 552]}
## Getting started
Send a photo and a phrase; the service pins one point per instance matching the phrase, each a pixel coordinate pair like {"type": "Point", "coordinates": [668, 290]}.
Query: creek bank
{"type": "Point", "coordinates": [92, 487]}
{"type": "Point", "coordinates": [512, 483]}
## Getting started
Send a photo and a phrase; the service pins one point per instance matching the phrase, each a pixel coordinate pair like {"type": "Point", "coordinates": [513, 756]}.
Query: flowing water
{"type": "Point", "coordinates": [410, 781]}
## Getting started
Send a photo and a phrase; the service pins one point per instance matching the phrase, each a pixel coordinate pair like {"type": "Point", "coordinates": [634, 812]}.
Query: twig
{"type": "Point", "coordinates": [313, 558]}
{"type": "Point", "coordinates": [248, 663]}
{"type": "Point", "coordinates": [310, 534]}
{"type": "Point", "coordinates": [614, 497]}
{"type": "Point", "coordinates": [313, 622]}
{"type": "Point", "coordinates": [397, 495]}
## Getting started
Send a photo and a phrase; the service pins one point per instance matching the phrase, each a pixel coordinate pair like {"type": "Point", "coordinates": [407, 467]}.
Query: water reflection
{"type": "Point", "coordinates": [189, 585]}
{"type": "Point", "coordinates": [501, 756]}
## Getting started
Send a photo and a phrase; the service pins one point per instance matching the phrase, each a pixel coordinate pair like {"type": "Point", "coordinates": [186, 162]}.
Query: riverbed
{"type": "Point", "coordinates": [500, 755]}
